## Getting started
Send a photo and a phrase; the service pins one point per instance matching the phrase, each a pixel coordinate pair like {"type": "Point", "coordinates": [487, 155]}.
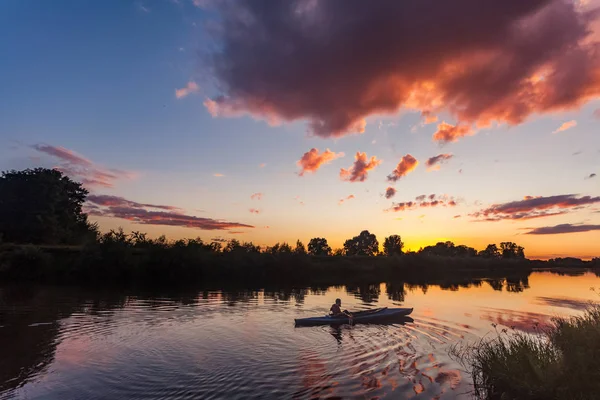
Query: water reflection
{"type": "Point", "coordinates": [240, 342]}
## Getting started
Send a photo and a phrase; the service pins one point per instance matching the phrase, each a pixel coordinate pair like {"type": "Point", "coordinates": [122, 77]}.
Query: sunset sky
{"type": "Point", "coordinates": [471, 121]}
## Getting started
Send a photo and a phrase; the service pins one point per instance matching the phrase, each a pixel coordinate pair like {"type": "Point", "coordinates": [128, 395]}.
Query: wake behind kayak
{"type": "Point", "coordinates": [369, 316]}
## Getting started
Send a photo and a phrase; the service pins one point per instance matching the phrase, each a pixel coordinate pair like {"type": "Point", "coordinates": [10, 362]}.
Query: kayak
{"type": "Point", "coordinates": [374, 315]}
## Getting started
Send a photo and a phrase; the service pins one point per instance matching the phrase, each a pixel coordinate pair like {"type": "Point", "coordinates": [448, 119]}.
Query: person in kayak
{"type": "Point", "coordinates": [336, 309]}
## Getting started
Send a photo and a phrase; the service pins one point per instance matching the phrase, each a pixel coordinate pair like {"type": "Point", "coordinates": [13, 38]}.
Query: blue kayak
{"type": "Point", "coordinates": [360, 316]}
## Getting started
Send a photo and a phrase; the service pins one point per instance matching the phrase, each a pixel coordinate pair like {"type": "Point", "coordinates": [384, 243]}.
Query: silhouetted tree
{"type": "Point", "coordinates": [299, 249]}
{"type": "Point", "coordinates": [250, 247]}
{"type": "Point", "coordinates": [285, 248]}
{"type": "Point", "coordinates": [232, 245]}
{"type": "Point", "coordinates": [318, 247]}
{"type": "Point", "coordinates": [464, 251]}
{"type": "Point", "coordinates": [393, 245]}
{"type": "Point", "coordinates": [365, 244]}
{"type": "Point", "coordinates": [491, 251]}
{"type": "Point", "coordinates": [511, 250]}
{"type": "Point", "coordinates": [338, 252]}
{"type": "Point", "coordinates": [43, 206]}
{"type": "Point", "coordinates": [444, 249]}
{"type": "Point", "coordinates": [279, 248]}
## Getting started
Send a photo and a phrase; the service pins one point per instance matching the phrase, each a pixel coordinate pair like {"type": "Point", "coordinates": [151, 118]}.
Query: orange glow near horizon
{"type": "Point", "coordinates": [580, 245]}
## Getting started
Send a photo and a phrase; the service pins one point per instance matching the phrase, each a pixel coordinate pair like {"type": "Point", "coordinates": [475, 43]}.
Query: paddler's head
{"type": "Point", "coordinates": [338, 302]}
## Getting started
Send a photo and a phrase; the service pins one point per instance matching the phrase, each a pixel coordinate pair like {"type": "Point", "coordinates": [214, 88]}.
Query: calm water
{"type": "Point", "coordinates": [75, 344]}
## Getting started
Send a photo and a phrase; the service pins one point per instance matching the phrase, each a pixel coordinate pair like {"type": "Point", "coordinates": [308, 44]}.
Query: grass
{"type": "Point", "coordinates": [560, 362]}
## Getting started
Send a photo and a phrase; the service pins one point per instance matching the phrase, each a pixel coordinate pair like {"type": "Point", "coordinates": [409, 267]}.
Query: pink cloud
{"type": "Point", "coordinates": [116, 201]}
{"type": "Point", "coordinates": [429, 118]}
{"type": "Point", "coordinates": [191, 87]}
{"type": "Point", "coordinates": [566, 126]}
{"type": "Point", "coordinates": [390, 192]}
{"type": "Point", "coordinates": [63, 154]}
{"type": "Point", "coordinates": [256, 196]}
{"type": "Point", "coordinates": [451, 133]}
{"type": "Point", "coordinates": [81, 168]}
{"type": "Point", "coordinates": [359, 171]}
{"type": "Point", "coordinates": [407, 164]}
{"type": "Point", "coordinates": [311, 161]}
{"type": "Point", "coordinates": [535, 207]}
{"type": "Point", "coordinates": [350, 197]}
{"type": "Point", "coordinates": [424, 201]}
{"type": "Point", "coordinates": [563, 228]}
{"type": "Point", "coordinates": [254, 210]}
{"type": "Point", "coordinates": [142, 213]}
{"type": "Point", "coordinates": [517, 59]}
{"type": "Point", "coordinates": [434, 162]}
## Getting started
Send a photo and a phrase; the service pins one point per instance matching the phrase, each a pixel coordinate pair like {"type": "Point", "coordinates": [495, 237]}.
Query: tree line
{"type": "Point", "coordinates": [43, 206]}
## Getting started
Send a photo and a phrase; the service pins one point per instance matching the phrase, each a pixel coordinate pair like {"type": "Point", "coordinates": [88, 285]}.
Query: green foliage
{"type": "Point", "coordinates": [365, 244]}
{"type": "Point", "coordinates": [562, 362]}
{"type": "Point", "coordinates": [42, 206]}
{"type": "Point", "coordinates": [318, 247]}
{"type": "Point", "coordinates": [393, 245]}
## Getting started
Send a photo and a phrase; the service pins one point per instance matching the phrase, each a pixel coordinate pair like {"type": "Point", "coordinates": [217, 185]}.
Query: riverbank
{"type": "Point", "coordinates": [190, 264]}
{"type": "Point", "coordinates": [169, 265]}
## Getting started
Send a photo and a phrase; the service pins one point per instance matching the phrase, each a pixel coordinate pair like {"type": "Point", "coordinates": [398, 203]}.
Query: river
{"type": "Point", "coordinates": [212, 343]}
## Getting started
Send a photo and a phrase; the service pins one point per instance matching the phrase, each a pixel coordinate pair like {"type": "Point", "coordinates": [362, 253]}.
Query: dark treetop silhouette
{"type": "Point", "coordinates": [42, 206]}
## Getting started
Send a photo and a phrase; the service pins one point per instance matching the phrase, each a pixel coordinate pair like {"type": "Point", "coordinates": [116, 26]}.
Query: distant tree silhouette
{"type": "Point", "coordinates": [491, 251]}
{"type": "Point", "coordinates": [393, 245]}
{"type": "Point", "coordinates": [43, 206]}
{"type": "Point", "coordinates": [232, 245]}
{"type": "Point", "coordinates": [318, 247]}
{"type": "Point", "coordinates": [511, 250]}
{"type": "Point", "coordinates": [464, 251]}
{"type": "Point", "coordinates": [299, 249]}
{"type": "Point", "coordinates": [279, 248]}
{"type": "Point", "coordinates": [445, 249]}
{"type": "Point", "coordinates": [448, 249]}
{"type": "Point", "coordinates": [338, 252]}
{"type": "Point", "coordinates": [365, 244]}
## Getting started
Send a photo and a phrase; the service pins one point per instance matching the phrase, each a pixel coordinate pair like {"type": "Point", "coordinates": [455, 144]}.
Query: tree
{"type": "Point", "coordinates": [464, 251]}
{"type": "Point", "coordinates": [511, 250]}
{"type": "Point", "coordinates": [232, 245]}
{"type": "Point", "coordinates": [442, 249]}
{"type": "Point", "coordinates": [43, 206]}
{"type": "Point", "coordinates": [393, 245]}
{"type": "Point", "coordinates": [318, 247]}
{"type": "Point", "coordinates": [491, 251]}
{"type": "Point", "coordinates": [365, 244]}
{"type": "Point", "coordinates": [299, 249]}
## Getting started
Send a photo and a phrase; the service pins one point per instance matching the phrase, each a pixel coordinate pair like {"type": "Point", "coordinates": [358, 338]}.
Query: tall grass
{"type": "Point", "coordinates": [560, 362]}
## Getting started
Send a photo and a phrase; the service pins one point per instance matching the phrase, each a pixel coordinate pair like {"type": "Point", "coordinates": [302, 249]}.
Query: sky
{"type": "Point", "coordinates": [476, 122]}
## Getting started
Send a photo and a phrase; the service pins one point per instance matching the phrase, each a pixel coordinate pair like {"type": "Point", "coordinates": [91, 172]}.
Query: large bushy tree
{"type": "Point", "coordinates": [511, 250]}
{"type": "Point", "coordinates": [43, 206]}
{"type": "Point", "coordinates": [393, 245]}
{"type": "Point", "coordinates": [365, 244]}
{"type": "Point", "coordinates": [318, 247]}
